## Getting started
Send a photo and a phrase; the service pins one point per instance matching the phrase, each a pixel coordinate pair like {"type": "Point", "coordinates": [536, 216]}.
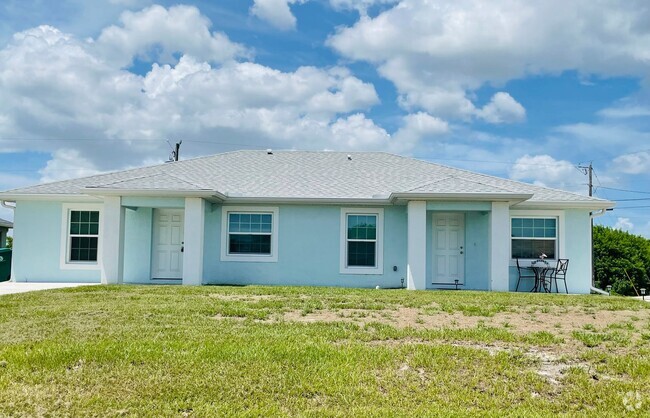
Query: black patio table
{"type": "Point", "coordinates": [541, 268]}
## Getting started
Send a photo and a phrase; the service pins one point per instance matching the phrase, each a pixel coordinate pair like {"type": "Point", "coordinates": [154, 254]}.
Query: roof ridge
{"type": "Point", "coordinates": [426, 184]}
{"type": "Point", "coordinates": [484, 184]}
{"type": "Point", "coordinates": [122, 181]}
{"type": "Point", "coordinates": [187, 181]}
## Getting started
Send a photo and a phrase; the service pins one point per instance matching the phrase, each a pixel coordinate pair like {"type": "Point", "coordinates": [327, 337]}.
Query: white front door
{"type": "Point", "coordinates": [167, 244]}
{"type": "Point", "coordinates": [448, 263]}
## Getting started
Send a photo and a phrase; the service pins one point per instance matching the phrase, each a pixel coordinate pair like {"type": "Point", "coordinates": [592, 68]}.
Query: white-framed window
{"type": "Point", "coordinates": [249, 233]}
{"type": "Point", "coordinates": [362, 241]}
{"type": "Point", "coordinates": [532, 236]}
{"type": "Point", "coordinates": [80, 236]}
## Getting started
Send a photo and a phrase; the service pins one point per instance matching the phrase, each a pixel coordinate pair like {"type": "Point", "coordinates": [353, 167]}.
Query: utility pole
{"type": "Point", "coordinates": [175, 151]}
{"type": "Point", "coordinates": [178, 150]}
{"type": "Point", "coordinates": [589, 170]}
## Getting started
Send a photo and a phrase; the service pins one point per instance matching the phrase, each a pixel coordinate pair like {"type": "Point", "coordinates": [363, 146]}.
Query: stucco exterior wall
{"type": "Point", "coordinates": [308, 253]}
{"type": "Point", "coordinates": [308, 246]}
{"type": "Point", "coordinates": [37, 245]}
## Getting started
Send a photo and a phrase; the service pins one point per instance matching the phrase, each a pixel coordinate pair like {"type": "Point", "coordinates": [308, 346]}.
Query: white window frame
{"type": "Point", "coordinates": [536, 214]}
{"type": "Point", "coordinates": [379, 268]}
{"type": "Point", "coordinates": [64, 259]}
{"type": "Point", "coordinates": [254, 258]}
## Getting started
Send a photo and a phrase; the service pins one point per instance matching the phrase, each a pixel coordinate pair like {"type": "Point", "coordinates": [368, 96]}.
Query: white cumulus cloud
{"type": "Point", "coordinates": [276, 12]}
{"type": "Point", "coordinates": [637, 163]}
{"type": "Point", "coordinates": [437, 53]}
{"type": "Point", "coordinates": [502, 108]}
{"type": "Point", "coordinates": [157, 33]}
{"type": "Point", "coordinates": [72, 99]}
{"type": "Point", "coordinates": [624, 224]}
{"type": "Point", "coordinates": [544, 170]}
{"type": "Point", "coordinates": [360, 5]}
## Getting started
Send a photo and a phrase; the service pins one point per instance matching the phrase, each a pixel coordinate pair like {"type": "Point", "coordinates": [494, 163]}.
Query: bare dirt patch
{"type": "Point", "coordinates": [558, 323]}
{"type": "Point", "coordinates": [243, 298]}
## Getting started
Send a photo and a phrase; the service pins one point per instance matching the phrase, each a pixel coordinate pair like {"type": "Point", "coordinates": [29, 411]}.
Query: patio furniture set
{"type": "Point", "coordinates": [544, 274]}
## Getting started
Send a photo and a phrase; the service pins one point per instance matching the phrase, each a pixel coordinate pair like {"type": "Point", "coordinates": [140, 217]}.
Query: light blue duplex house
{"type": "Point", "coordinates": [298, 218]}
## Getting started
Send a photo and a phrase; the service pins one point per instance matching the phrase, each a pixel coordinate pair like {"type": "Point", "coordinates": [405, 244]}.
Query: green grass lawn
{"type": "Point", "coordinates": [276, 351]}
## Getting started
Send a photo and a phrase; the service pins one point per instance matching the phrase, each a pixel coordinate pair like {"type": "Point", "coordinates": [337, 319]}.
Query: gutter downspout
{"type": "Point", "coordinates": [597, 214]}
{"type": "Point", "coordinates": [597, 290]}
{"type": "Point", "coordinates": [592, 216]}
{"type": "Point", "coordinates": [4, 204]}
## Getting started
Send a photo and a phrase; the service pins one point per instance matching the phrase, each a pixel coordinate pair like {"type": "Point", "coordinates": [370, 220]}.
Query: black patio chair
{"type": "Point", "coordinates": [522, 271]}
{"type": "Point", "coordinates": [560, 274]}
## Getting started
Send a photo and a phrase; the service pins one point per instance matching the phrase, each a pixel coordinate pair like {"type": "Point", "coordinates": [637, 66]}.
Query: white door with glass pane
{"type": "Point", "coordinates": [167, 244]}
{"type": "Point", "coordinates": [448, 262]}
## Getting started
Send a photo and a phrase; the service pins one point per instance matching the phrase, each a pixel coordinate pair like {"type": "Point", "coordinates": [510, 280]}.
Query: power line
{"type": "Point", "coordinates": [625, 190]}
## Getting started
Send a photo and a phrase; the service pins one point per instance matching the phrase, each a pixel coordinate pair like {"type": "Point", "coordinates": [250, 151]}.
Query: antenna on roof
{"type": "Point", "coordinates": [175, 151]}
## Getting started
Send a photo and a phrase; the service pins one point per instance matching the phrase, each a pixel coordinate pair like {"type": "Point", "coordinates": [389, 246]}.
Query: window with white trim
{"type": "Point", "coordinates": [249, 233]}
{"type": "Point", "coordinates": [534, 236]}
{"type": "Point", "coordinates": [83, 236]}
{"type": "Point", "coordinates": [362, 241]}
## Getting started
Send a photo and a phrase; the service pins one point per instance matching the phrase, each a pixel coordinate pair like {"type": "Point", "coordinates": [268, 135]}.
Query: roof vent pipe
{"type": "Point", "coordinates": [349, 157]}
{"type": "Point", "coordinates": [269, 151]}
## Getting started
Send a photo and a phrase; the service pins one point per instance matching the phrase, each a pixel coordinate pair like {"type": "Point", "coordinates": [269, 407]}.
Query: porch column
{"type": "Point", "coordinates": [112, 241]}
{"type": "Point", "coordinates": [417, 246]}
{"type": "Point", "coordinates": [193, 236]}
{"type": "Point", "coordinates": [500, 247]}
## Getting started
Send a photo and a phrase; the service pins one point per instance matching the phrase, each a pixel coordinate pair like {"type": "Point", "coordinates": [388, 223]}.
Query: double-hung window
{"type": "Point", "coordinates": [534, 236]}
{"type": "Point", "coordinates": [362, 241]}
{"type": "Point", "coordinates": [250, 234]}
{"type": "Point", "coordinates": [80, 236]}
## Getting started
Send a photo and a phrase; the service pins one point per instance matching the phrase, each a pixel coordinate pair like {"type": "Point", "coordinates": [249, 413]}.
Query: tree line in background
{"type": "Point", "coordinates": [621, 260]}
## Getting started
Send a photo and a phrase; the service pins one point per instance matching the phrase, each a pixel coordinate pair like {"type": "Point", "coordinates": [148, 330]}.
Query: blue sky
{"type": "Point", "coordinates": [513, 89]}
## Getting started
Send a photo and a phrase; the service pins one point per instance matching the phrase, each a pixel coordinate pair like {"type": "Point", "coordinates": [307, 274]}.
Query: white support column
{"type": "Point", "coordinates": [500, 247]}
{"type": "Point", "coordinates": [112, 240]}
{"type": "Point", "coordinates": [416, 268]}
{"type": "Point", "coordinates": [194, 230]}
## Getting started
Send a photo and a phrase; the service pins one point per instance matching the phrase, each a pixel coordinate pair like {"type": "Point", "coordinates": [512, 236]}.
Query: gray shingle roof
{"type": "Point", "coordinates": [305, 174]}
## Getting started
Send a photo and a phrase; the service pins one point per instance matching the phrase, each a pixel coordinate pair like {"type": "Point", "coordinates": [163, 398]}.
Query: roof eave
{"type": "Point", "coordinates": [75, 197]}
{"type": "Point", "coordinates": [576, 204]}
{"type": "Point", "coordinates": [307, 200]}
{"type": "Point", "coordinates": [204, 193]}
{"type": "Point", "coordinates": [512, 198]}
